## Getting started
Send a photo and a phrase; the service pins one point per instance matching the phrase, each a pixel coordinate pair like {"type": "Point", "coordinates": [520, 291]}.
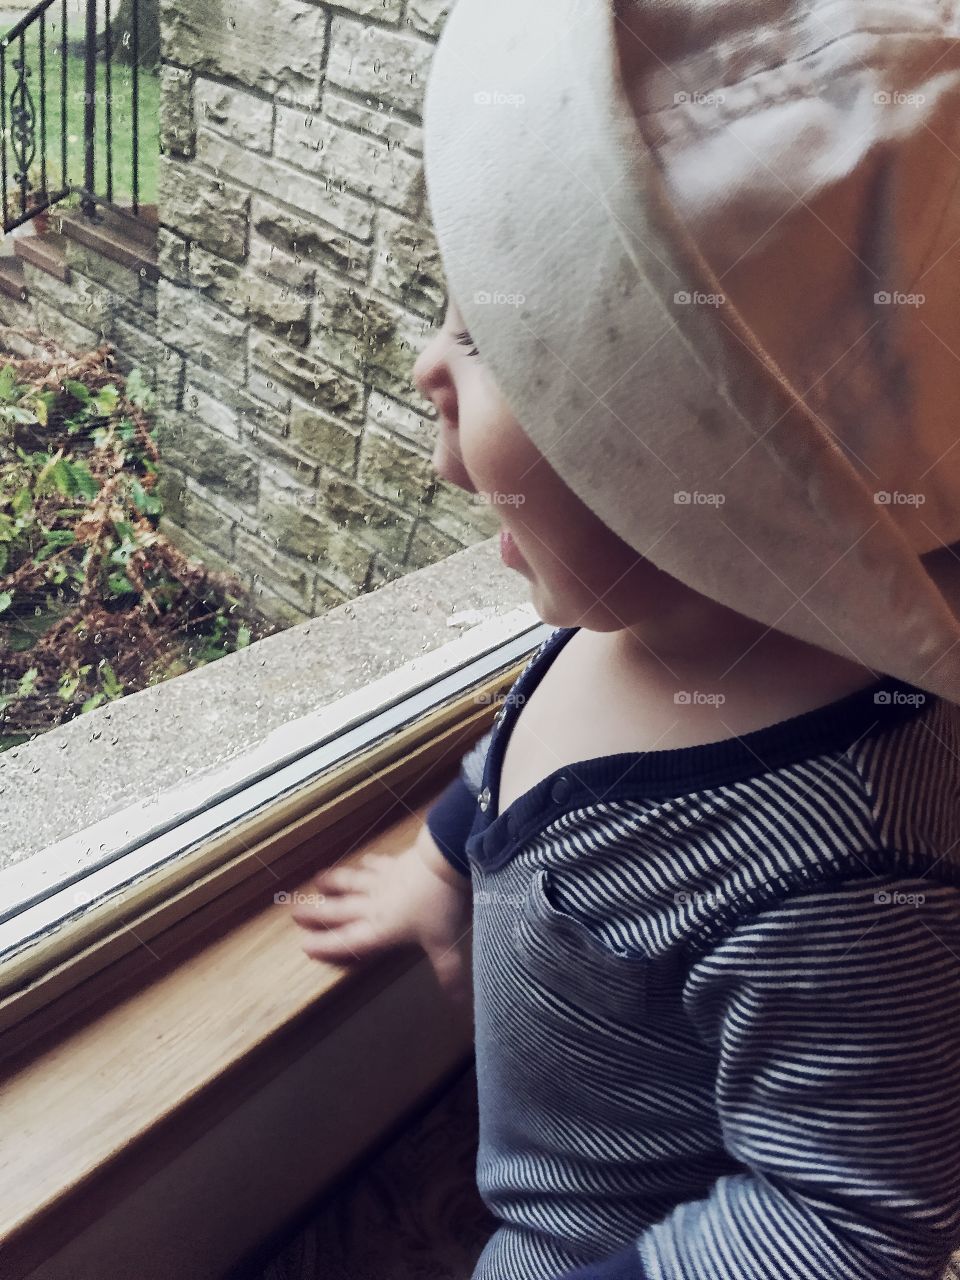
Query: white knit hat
{"type": "Point", "coordinates": [710, 252]}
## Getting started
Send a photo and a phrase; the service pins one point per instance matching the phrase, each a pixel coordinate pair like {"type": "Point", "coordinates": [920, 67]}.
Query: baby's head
{"type": "Point", "coordinates": [580, 572]}
{"type": "Point", "coordinates": [787, 448]}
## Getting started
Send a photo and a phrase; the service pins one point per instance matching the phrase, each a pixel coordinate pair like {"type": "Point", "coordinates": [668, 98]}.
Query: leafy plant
{"type": "Point", "coordinates": [95, 602]}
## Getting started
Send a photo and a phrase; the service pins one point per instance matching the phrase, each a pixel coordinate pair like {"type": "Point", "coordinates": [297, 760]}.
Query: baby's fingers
{"type": "Point", "coordinates": [342, 879]}
{"type": "Point", "coordinates": [340, 909]}
{"type": "Point", "coordinates": [348, 942]}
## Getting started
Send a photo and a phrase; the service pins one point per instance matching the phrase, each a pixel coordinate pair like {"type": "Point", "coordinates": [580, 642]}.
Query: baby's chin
{"type": "Point", "coordinates": [559, 610]}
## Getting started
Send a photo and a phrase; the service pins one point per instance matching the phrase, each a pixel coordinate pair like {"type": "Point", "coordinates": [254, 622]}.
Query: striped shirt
{"type": "Point", "coordinates": [717, 999]}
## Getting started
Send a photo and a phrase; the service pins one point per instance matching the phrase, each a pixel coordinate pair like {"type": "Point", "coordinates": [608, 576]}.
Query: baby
{"type": "Point", "coordinates": [778, 1107]}
{"type": "Point", "coordinates": [700, 881]}
{"type": "Point", "coordinates": [641, 637]}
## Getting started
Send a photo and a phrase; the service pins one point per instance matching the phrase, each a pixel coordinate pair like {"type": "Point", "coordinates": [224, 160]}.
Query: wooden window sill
{"type": "Point", "coordinates": [167, 1133]}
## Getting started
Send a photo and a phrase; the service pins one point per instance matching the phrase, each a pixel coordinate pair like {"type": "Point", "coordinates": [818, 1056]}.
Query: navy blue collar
{"type": "Point", "coordinates": [673, 772]}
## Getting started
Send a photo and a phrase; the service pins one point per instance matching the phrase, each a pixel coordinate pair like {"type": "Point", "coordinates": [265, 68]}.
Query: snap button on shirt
{"type": "Point", "coordinates": [560, 790]}
{"type": "Point", "coordinates": [483, 799]}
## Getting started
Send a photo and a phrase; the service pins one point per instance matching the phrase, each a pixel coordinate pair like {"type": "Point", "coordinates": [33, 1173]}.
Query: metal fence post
{"type": "Point", "coordinates": [87, 204]}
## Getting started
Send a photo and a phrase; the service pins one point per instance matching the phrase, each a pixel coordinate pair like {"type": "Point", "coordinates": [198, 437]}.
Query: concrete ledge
{"type": "Point", "coordinates": [73, 776]}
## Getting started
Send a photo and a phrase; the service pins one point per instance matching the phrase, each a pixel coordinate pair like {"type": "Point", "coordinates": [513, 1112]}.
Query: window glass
{"type": "Point", "coordinates": [216, 274]}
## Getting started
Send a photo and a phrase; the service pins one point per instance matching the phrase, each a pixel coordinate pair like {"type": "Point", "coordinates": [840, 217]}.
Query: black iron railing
{"type": "Point", "coordinates": [30, 141]}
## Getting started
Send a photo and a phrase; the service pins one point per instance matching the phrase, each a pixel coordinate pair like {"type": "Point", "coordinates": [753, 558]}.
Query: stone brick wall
{"type": "Point", "coordinates": [300, 279]}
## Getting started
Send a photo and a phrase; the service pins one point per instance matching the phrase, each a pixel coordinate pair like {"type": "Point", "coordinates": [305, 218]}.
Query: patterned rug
{"type": "Point", "coordinates": [412, 1213]}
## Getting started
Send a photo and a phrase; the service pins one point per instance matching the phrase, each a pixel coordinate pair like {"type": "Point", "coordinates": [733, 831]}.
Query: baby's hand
{"type": "Point", "coordinates": [385, 900]}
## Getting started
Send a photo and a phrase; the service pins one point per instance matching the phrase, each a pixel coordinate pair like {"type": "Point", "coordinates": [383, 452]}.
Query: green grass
{"type": "Point", "coordinates": [121, 127]}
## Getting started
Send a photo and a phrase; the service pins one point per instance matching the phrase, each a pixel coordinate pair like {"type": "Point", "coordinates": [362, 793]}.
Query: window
{"type": "Point", "coordinates": [224, 550]}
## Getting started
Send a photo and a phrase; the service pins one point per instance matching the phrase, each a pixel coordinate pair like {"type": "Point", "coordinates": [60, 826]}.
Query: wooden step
{"type": "Point", "coordinates": [146, 216]}
{"type": "Point", "coordinates": [12, 281]}
{"type": "Point", "coordinates": [117, 238]}
{"type": "Point", "coordinates": [46, 251]}
{"type": "Point", "coordinates": [141, 226]}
